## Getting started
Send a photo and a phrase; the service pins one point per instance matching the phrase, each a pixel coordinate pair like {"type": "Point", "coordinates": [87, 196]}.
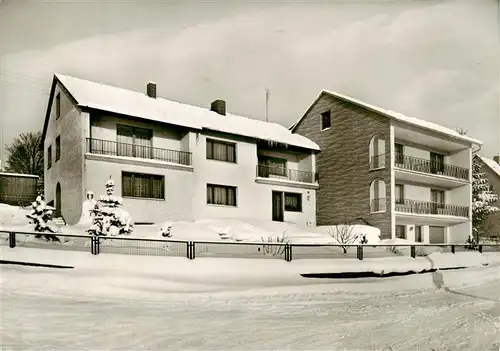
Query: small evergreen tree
{"type": "Point", "coordinates": [41, 217]}
{"type": "Point", "coordinates": [482, 197]}
{"type": "Point", "coordinates": [108, 216]}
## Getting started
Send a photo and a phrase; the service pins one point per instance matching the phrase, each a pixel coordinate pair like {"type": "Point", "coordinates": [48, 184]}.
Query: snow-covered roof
{"type": "Point", "coordinates": [399, 117]}
{"type": "Point", "coordinates": [118, 100]}
{"type": "Point", "coordinates": [18, 175]}
{"type": "Point", "coordinates": [491, 164]}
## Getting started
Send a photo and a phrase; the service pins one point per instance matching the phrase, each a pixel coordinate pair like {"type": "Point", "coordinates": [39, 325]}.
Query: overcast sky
{"type": "Point", "coordinates": [435, 60]}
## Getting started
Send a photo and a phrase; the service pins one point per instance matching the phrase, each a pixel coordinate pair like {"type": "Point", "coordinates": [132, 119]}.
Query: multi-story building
{"type": "Point", "coordinates": [491, 169]}
{"type": "Point", "coordinates": [408, 177]}
{"type": "Point", "coordinates": [172, 161]}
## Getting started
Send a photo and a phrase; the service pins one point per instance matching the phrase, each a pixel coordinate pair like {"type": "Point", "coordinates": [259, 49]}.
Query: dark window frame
{"type": "Point", "coordinates": [58, 105]}
{"type": "Point", "coordinates": [272, 165]}
{"type": "Point", "coordinates": [326, 116]}
{"type": "Point", "coordinates": [291, 208]}
{"type": "Point", "coordinates": [403, 231]}
{"type": "Point", "coordinates": [210, 154]}
{"type": "Point", "coordinates": [134, 193]}
{"type": "Point", "coordinates": [401, 199]}
{"type": "Point", "coordinates": [49, 157]}
{"type": "Point", "coordinates": [58, 148]}
{"type": "Point", "coordinates": [228, 201]}
{"type": "Point", "coordinates": [399, 153]}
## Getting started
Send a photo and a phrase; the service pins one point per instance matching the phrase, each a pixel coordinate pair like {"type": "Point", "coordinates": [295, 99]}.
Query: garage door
{"type": "Point", "coordinates": [436, 235]}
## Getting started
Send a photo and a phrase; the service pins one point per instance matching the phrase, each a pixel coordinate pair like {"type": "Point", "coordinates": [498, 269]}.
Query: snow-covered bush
{"type": "Point", "coordinates": [482, 198]}
{"type": "Point", "coordinates": [108, 216]}
{"type": "Point", "coordinates": [166, 230]}
{"type": "Point", "coordinates": [274, 250]}
{"type": "Point", "coordinates": [41, 217]}
{"type": "Point", "coordinates": [346, 235]}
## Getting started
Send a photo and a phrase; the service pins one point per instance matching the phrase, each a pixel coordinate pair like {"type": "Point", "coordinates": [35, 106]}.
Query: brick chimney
{"type": "Point", "coordinates": [151, 90]}
{"type": "Point", "coordinates": [497, 159]}
{"type": "Point", "coordinates": [218, 106]}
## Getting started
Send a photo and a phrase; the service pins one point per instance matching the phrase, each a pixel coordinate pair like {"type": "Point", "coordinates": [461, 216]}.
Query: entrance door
{"type": "Point", "coordinates": [58, 201]}
{"type": "Point", "coordinates": [436, 235]}
{"type": "Point", "coordinates": [278, 206]}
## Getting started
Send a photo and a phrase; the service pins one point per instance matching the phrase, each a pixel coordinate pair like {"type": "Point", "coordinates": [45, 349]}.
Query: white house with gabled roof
{"type": "Point", "coordinates": [172, 161]}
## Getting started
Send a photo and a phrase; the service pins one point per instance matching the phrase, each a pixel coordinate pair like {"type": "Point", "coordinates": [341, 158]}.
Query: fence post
{"type": "Point", "coordinates": [12, 239]}
{"type": "Point", "coordinates": [92, 245]}
{"type": "Point", "coordinates": [188, 249]}
{"type": "Point", "coordinates": [360, 252]}
{"type": "Point", "coordinates": [452, 249]}
{"type": "Point", "coordinates": [480, 248]}
{"type": "Point", "coordinates": [413, 251]}
{"type": "Point", "coordinates": [193, 250]}
{"type": "Point", "coordinates": [290, 253]}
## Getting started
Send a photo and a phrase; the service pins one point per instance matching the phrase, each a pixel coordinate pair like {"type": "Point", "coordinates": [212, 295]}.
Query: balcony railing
{"type": "Point", "coordinates": [431, 167]}
{"type": "Point", "coordinates": [432, 208]}
{"type": "Point", "coordinates": [378, 205]}
{"type": "Point", "coordinates": [277, 172]}
{"type": "Point", "coordinates": [113, 148]}
{"type": "Point", "coordinates": [377, 161]}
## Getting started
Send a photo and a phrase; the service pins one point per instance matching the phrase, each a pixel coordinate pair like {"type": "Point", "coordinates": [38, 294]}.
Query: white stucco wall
{"type": "Point", "coordinates": [179, 190]}
{"type": "Point", "coordinates": [68, 170]}
{"type": "Point", "coordinates": [254, 200]}
{"type": "Point", "coordinates": [459, 196]}
{"type": "Point", "coordinates": [460, 159]}
{"type": "Point", "coordinates": [458, 234]}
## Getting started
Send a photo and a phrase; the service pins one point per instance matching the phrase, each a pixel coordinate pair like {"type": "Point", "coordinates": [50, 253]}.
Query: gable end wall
{"type": "Point", "coordinates": [343, 163]}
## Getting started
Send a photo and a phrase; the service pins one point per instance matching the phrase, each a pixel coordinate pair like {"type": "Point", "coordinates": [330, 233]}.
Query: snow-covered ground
{"type": "Point", "coordinates": [157, 303]}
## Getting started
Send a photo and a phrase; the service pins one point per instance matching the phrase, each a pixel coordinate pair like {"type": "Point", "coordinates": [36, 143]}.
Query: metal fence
{"type": "Point", "coordinates": [227, 249]}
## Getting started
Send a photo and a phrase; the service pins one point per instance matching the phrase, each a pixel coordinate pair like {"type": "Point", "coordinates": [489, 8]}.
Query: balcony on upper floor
{"type": "Point", "coordinates": [129, 150]}
{"type": "Point", "coordinates": [285, 166]}
{"type": "Point", "coordinates": [431, 166]}
{"type": "Point", "coordinates": [293, 175]}
{"type": "Point", "coordinates": [408, 206]}
{"type": "Point", "coordinates": [427, 157]}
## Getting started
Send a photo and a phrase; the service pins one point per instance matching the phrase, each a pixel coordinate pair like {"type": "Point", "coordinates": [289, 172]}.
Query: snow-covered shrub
{"type": "Point", "coordinates": [166, 230]}
{"type": "Point", "coordinates": [344, 235]}
{"type": "Point", "coordinates": [471, 243]}
{"type": "Point", "coordinates": [108, 216]}
{"type": "Point", "coordinates": [41, 217]}
{"type": "Point", "coordinates": [274, 250]}
{"type": "Point", "coordinates": [482, 198]}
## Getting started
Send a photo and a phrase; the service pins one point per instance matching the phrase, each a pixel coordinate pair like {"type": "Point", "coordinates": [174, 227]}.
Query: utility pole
{"type": "Point", "coordinates": [267, 104]}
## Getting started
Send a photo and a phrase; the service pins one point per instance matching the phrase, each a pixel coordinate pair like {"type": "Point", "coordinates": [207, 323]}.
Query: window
{"type": "Point", "coordinates": [293, 202]}
{"type": "Point", "coordinates": [134, 141]}
{"type": "Point", "coordinates": [400, 194]}
{"type": "Point", "coordinates": [141, 185]}
{"type": "Point", "coordinates": [272, 166]}
{"type": "Point", "coordinates": [326, 120]}
{"type": "Point", "coordinates": [437, 201]}
{"type": "Point", "coordinates": [221, 195]}
{"type": "Point", "coordinates": [437, 196]}
{"type": "Point", "coordinates": [376, 152]}
{"type": "Point", "coordinates": [400, 231]}
{"type": "Point", "coordinates": [49, 157]}
{"type": "Point", "coordinates": [58, 148]}
{"type": "Point", "coordinates": [399, 153]}
{"type": "Point", "coordinates": [418, 234]}
{"type": "Point", "coordinates": [58, 105]}
{"type": "Point", "coordinates": [221, 151]}
{"type": "Point", "coordinates": [377, 195]}
{"type": "Point", "coordinates": [437, 163]}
